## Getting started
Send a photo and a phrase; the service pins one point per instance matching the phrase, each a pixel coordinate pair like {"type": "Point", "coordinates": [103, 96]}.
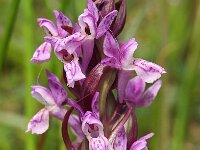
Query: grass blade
{"type": "Point", "coordinates": [8, 31]}
{"type": "Point", "coordinates": [188, 81]}
{"type": "Point", "coordinates": [28, 44]}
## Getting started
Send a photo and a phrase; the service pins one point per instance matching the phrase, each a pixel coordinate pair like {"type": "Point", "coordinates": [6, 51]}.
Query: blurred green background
{"type": "Point", "coordinates": [168, 33]}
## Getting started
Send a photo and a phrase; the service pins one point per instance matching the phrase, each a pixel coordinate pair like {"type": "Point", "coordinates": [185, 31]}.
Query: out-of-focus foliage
{"type": "Point", "coordinates": [168, 33]}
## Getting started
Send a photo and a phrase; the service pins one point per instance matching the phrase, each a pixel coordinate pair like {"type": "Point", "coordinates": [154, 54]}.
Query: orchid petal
{"type": "Point", "coordinates": [62, 21]}
{"type": "Point", "coordinates": [73, 72]}
{"type": "Point", "coordinates": [70, 43]}
{"type": "Point", "coordinates": [42, 53]}
{"type": "Point", "coordinates": [150, 94]}
{"type": "Point", "coordinates": [141, 144]}
{"type": "Point", "coordinates": [73, 41]}
{"type": "Point", "coordinates": [87, 47]}
{"type": "Point", "coordinates": [112, 62]}
{"type": "Point", "coordinates": [120, 140]}
{"type": "Point", "coordinates": [106, 23]}
{"type": "Point", "coordinates": [127, 51]}
{"type": "Point", "coordinates": [93, 10]}
{"type": "Point", "coordinates": [99, 143]}
{"type": "Point", "coordinates": [134, 90]}
{"type": "Point", "coordinates": [43, 95]}
{"type": "Point", "coordinates": [48, 26]}
{"type": "Point", "coordinates": [148, 71]}
{"type": "Point", "coordinates": [39, 123]}
{"type": "Point", "coordinates": [52, 40]}
{"type": "Point", "coordinates": [110, 46]}
{"type": "Point", "coordinates": [148, 136]}
{"type": "Point", "coordinates": [88, 24]}
{"type": "Point", "coordinates": [58, 91]}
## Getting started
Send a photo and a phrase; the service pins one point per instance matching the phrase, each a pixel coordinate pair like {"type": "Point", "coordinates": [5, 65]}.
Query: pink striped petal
{"type": "Point", "coordinates": [93, 10]}
{"type": "Point", "coordinates": [148, 71]}
{"type": "Point", "coordinates": [99, 143]}
{"type": "Point", "coordinates": [73, 72]}
{"type": "Point", "coordinates": [110, 46]}
{"type": "Point", "coordinates": [58, 91]}
{"type": "Point", "coordinates": [120, 140]}
{"type": "Point", "coordinates": [43, 95]}
{"type": "Point", "coordinates": [150, 94]}
{"type": "Point", "coordinates": [39, 123]}
{"type": "Point", "coordinates": [48, 26]}
{"type": "Point", "coordinates": [134, 91]}
{"type": "Point", "coordinates": [88, 24]}
{"type": "Point", "coordinates": [106, 23]}
{"type": "Point", "coordinates": [70, 44]}
{"type": "Point", "coordinates": [127, 50]}
{"type": "Point", "coordinates": [62, 21]}
{"type": "Point", "coordinates": [141, 144]}
{"type": "Point", "coordinates": [42, 53]}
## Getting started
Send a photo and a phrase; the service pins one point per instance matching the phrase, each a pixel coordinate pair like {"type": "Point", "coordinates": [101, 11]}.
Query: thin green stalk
{"type": "Point", "coordinates": [28, 51]}
{"type": "Point", "coordinates": [163, 57]}
{"type": "Point", "coordinates": [8, 31]}
{"type": "Point", "coordinates": [188, 81]}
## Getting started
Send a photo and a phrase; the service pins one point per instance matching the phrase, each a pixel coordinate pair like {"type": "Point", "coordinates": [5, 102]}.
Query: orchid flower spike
{"type": "Point", "coordinates": [75, 46]}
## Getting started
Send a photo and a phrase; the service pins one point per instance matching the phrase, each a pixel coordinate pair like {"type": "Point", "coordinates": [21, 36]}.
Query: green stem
{"type": "Point", "coordinates": [8, 31]}
{"type": "Point", "coordinates": [104, 88]}
{"type": "Point", "coordinates": [28, 52]}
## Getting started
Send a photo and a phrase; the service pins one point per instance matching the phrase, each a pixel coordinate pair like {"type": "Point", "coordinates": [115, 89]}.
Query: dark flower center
{"type": "Point", "coordinates": [87, 30]}
{"type": "Point", "coordinates": [68, 29]}
{"type": "Point", "coordinates": [67, 56]}
{"type": "Point", "coordinates": [93, 130]}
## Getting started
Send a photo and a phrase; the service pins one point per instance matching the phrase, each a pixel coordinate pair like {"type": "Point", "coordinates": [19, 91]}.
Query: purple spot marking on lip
{"type": "Point", "coordinates": [34, 122]}
{"type": "Point", "coordinates": [146, 68]}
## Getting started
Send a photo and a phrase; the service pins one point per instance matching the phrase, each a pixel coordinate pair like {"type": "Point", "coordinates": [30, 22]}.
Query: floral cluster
{"type": "Point", "coordinates": [101, 72]}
